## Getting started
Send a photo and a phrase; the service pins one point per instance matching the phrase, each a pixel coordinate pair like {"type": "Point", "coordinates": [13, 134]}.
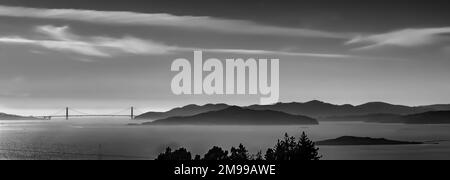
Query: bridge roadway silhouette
{"type": "Point", "coordinates": [81, 114]}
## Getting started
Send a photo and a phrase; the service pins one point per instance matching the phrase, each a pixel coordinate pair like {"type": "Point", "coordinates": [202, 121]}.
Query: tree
{"type": "Point", "coordinates": [270, 155]}
{"type": "Point", "coordinates": [239, 154]}
{"type": "Point", "coordinates": [182, 155]}
{"type": "Point", "coordinates": [284, 150]}
{"type": "Point", "coordinates": [166, 155]}
{"type": "Point", "coordinates": [178, 155]}
{"type": "Point", "coordinates": [197, 158]}
{"type": "Point", "coordinates": [306, 149]}
{"type": "Point", "coordinates": [258, 156]}
{"type": "Point", "coordinates": [216, 154]}
{"type": "Point", "coordinates": [290, 149]}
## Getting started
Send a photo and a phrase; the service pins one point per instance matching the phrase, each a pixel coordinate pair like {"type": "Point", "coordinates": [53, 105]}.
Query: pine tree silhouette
{"type": "Point", "coordinates": [306, 149]}
{"type": "Point", "coordinates": [166, 155]}
{"type": "Point", "coordinates": [239, 154]}
{"type": "Point", "coordinates": [181, 154]}
{"type": "Point", "coordinates": [178, 155]}
{"type": "Point", "coordinates": [270, 155]}
{"type": "Point", "coordinates": [286, 149]}
{"type": "Point", "coordinates": [258, 156]}
{"type": "Point", "coordinates": [290, 149]}
{"type": "Point", "coordinates": [216, 154]}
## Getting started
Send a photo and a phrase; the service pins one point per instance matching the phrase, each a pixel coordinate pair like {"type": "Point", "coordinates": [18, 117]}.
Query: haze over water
{"type": "Point", "coordinates": [114, 139]}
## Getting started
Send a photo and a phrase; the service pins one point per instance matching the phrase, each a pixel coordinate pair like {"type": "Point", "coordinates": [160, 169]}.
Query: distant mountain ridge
{"type": "Point", "coordinates": [431, 117]}
{"type": "Point", "coordinates": [318, 109]}
{"type": "Point", "coordinates": [4, 116]}
{"type": "Point", "coordinates": [315, 109]}
{"type": "Point", "coordinates": [237, 116]}
{"type": "Point", "coordinates": [375, 118]}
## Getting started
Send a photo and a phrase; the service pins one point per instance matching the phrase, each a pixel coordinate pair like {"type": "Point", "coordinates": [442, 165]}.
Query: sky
{"type": "Point", "coordinates": [102, 55]}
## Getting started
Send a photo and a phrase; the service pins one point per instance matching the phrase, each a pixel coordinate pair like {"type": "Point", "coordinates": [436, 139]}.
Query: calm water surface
{"type": "Point", "coordinates": [114, 139]}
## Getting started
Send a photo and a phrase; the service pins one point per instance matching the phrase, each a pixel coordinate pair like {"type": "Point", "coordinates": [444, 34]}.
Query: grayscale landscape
{"type": "Point", "coordinates": [191, 80]}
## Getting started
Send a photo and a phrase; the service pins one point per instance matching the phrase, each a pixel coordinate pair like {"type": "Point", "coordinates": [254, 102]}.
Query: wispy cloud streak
{"type": "Point", "coordinates": [166, 20]}
{"type": "Point", "coordinates": [401, 38]}
{"type": "Point", "coordinates": [61, 39]}
{"type": "Point", "coordinates": [283, 53]}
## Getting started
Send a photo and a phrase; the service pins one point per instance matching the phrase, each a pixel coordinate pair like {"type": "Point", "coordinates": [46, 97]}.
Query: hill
{"type": "Point", "coordinates": [188, 110]}
{"type": "Point", "coordinates": [4, 116]}
{"type": "Point", "coordinates": [238, 116]}
{"type": "Point", "coordinates": [373, 118]}
{"type": "Point", "coordinates": [434, 117]}
{"type": "Point", "coordinates": [318, 109]}
{"type": "Point", "coordinates": [369, 112]}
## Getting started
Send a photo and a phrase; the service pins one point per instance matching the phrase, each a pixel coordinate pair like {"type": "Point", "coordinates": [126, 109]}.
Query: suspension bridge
{"type": "Point", "coordinates": [68, 113]}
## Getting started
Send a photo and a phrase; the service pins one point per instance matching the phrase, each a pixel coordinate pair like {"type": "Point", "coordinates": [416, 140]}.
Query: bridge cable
{"type": "Point", "coordinates": [82, 113]}
{"type": "Point", "coordinates": [60, 112]}
{"type": "Point", "coordinates": [127, 110]}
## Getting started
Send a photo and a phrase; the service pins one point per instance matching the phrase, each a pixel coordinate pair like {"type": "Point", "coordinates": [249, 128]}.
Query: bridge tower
{"type": "Point", "coordinates": [132, 112]}
{"type": "Point", "coordinates": [67, 113]}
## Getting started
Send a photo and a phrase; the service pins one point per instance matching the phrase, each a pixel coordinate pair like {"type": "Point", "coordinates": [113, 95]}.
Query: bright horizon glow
{"type": "Point", "coordinates": [108, 111]}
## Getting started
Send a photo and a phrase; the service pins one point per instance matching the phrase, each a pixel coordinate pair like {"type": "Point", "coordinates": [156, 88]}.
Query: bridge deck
{"type": "Point", "coordinates": [63, 116]}
{"type": "Point", "coordinates": [81, 114]}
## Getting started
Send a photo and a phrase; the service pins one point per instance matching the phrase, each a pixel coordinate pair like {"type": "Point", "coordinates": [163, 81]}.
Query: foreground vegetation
{"type": "Point", "coordinates": [288, 148]}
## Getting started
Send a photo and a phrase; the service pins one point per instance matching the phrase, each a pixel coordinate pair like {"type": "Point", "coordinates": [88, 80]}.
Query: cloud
{"type": "Point", "coordinates": [285, 53]}
{"type": "Point", "coordinates": [166, 20]}
{"type": "Point", "coordinates": [299, 54]}
{"type": "Point", "coordinates": [401, 38]}
{"type": "Point", "coordinates": [61, 39]}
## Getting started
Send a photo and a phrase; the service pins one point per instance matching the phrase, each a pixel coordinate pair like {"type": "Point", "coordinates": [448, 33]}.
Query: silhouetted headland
{"type": "Point", "coordinates": [432, 117]}
{"type": "Point", "coordinates": [238, 116]}
{"type": "Point", "coordinates": [372, 118]}
{"type": "Point", "coordinates": [361, 141]}
{"type": "Point", "coordinates": [4, 116]}
{"type": "Point", "coordinates": [188, 110]}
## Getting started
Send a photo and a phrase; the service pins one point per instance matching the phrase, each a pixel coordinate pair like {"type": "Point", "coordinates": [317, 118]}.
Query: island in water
{"type": "Point", "coordinates": [362, 141]}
